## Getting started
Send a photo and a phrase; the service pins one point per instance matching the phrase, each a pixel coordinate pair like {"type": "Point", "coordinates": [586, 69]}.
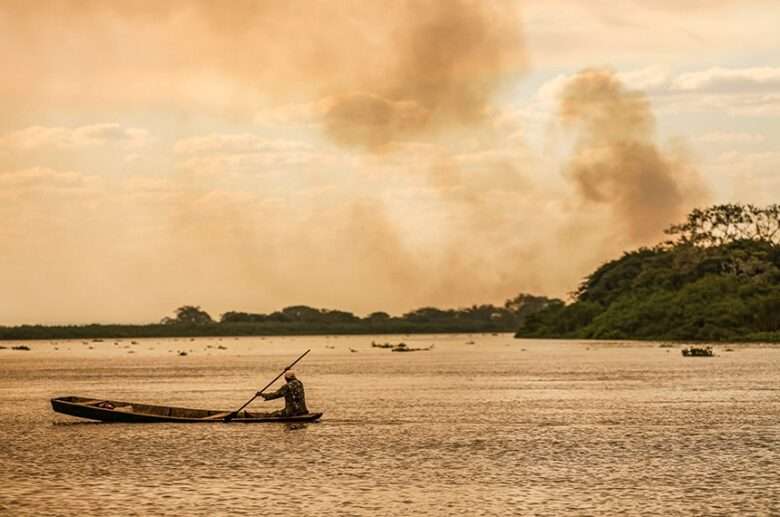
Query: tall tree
{"type": "Point", "coordinates": [189, 315]}
{"type": "Point", "coordinates": [722, 224]}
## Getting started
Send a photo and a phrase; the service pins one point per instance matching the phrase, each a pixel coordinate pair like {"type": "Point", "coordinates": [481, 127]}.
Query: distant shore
{"type": "Point", "coordinates": [192, 321]}
{"type": "Point", "coordinates": [95, 331]}
{"type": "Point", "coordinates": [115, 331]}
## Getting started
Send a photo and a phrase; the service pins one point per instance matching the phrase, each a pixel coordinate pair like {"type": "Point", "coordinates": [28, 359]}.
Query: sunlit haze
{"type": "Point", "coordinates": [363, 156]}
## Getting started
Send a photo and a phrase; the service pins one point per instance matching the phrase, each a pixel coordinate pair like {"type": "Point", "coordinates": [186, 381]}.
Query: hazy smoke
{"type": "Point", "coordinates": [386, 66]}
{"type": "Point", "coordinates": [616, 162]}
{"type": "Point", "coordinates": [446, 60]}
{"type": "Point", "coordinates": [460, 218]}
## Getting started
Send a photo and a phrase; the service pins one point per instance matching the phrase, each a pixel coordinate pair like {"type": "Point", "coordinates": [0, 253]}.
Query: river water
{"type": "Point", "coordinates": [479, 425]}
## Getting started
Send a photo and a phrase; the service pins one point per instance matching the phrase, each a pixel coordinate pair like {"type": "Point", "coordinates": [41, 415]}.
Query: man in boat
{"type": "Point", "coordinates": [294, 398]}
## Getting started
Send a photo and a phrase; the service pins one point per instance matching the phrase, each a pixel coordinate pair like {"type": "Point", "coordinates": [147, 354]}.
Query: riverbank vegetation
{"type": "Point", "coordinates": [717, 278]}
{"type": "Point", "coordinates": [191, 321]}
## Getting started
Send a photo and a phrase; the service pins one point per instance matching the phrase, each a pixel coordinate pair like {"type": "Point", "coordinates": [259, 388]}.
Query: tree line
{"type": "Point", "coordinates": [484, 317]}
{"type": "Point", "coordinates": [716, 279]}
{"type": "Point", "coordinates": [192, 320]}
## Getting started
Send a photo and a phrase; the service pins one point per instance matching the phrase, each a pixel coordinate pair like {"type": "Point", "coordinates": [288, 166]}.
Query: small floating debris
{"type": "Point", "coordinates": [22, 347]}
{"type": "Point", "coordinates": [222, 347]}
{"type": "Point", "coordinates": [3, 347]}
{"type": "Point", "coordinates": [470, 343]}
{"type": "Point", "coordinates": [330, 347]}
{"type": "Point", "coordinates": [384, 345]}
{"type": "Point", "coordinates": [666, 345]}
{"type": "Point", "coordinates": [352, 350]}
{"type": "Point", "coordinates": [97, 340]}
{"type": "Point", "coordinates": [133, 342]}
{"type": "Point", "coordinates": [698, 351]}
{"type": "Point", "coordinates": [182, 353]}
{"type": "Point", "coordinates": [131, 351]}
{"type": "Point", "coordinates": [403, 347]}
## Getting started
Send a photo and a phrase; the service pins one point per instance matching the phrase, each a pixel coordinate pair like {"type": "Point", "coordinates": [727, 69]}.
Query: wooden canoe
{"type": "Point", "coordinates": [132, 412]}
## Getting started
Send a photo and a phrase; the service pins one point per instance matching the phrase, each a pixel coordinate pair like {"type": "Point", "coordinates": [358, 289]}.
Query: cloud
{"type": "Point", "coordinates": [731, 137]}
{"type": "Point", "coordinates": [42, 179]}
{"type": "Point", "coordinates": [744, 92]}
{"type": "Point", "coordinates": [220, 154]}
{"type": "Point", "coordinates": [571, 33]}
{"type": "Point", "coordinates": [729, 80]}
{"type": "Point", "coordinates": [748, 167]}
{"type": "Point", "coordinates": [748, 105]}
{"type": "Point", "coordinates": [39, 137]}
{"type": "Point", "coordinates": [241, 143]}
{"type": "Point", "coordinates": [741, 176]}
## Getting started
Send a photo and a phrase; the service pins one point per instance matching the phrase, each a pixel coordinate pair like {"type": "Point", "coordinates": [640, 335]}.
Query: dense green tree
{"type": "Point", "coordinates": [426, 315]}
{"type": "Point", "coordinates": [302, 313]}
{"type": "Point", "coordinates": [524, 304]}
{"type": "Point", "coordinates": [235, 317]}
{"type": "Point", "coordinates": [189, 315]}
{"type": "Point", "coordinates": [722, 224]}
{"type": "Point", "coordinates": [336, 316]}
{"type": "Point", "coordinates": [718, 280]}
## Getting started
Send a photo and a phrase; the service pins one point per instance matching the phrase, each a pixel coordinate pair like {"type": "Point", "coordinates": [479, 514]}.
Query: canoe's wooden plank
{"type": "Point", "coordinates": [218, 416]}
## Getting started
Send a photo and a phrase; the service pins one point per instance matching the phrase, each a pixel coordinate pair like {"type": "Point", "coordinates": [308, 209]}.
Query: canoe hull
{"type": "Point", "coordinates": [131, 412]}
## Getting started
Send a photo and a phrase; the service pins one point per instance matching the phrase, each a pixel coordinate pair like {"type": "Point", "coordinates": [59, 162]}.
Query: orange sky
{"type": "Point", "coordinates": [363, 155]}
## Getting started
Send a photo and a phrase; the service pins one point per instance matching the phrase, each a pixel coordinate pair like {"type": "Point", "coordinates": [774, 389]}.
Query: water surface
{"type": "Point", "coordinates": [480, 425]}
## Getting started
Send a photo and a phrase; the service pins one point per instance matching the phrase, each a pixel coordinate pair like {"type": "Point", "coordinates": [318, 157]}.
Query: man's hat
{"type": "Point", "coordinates": [289, 374]}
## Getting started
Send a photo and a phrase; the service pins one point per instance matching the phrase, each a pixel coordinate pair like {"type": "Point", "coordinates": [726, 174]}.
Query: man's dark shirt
{"type": "Point", "coordinates": [294, 399]}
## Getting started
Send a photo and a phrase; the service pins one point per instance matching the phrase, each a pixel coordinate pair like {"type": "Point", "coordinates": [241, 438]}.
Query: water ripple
{"type": "Point", "coordinates": [556, 428]}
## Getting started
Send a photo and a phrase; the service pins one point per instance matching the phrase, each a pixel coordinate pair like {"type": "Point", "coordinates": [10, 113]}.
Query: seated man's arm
{"type": "Point", "coordinates": [274, 394]}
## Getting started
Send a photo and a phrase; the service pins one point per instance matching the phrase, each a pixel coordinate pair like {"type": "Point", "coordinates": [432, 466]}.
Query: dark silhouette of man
{"type": "Point", "coordinates": [294, 398]}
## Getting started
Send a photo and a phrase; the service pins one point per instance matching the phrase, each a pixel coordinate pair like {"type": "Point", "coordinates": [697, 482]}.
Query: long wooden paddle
{"type": "Point", "coordinates": [233, 415]}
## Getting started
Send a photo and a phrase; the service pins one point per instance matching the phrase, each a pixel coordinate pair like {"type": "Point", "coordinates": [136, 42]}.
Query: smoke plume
{"type": "Point", "coordinates": [447, 60]}
{"type": "Point", "coordinates": [441, 205]}
{"type": "Point", "coordinates": [386, 67]}
{"type": "Point", "coordinates": [616, 162]}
